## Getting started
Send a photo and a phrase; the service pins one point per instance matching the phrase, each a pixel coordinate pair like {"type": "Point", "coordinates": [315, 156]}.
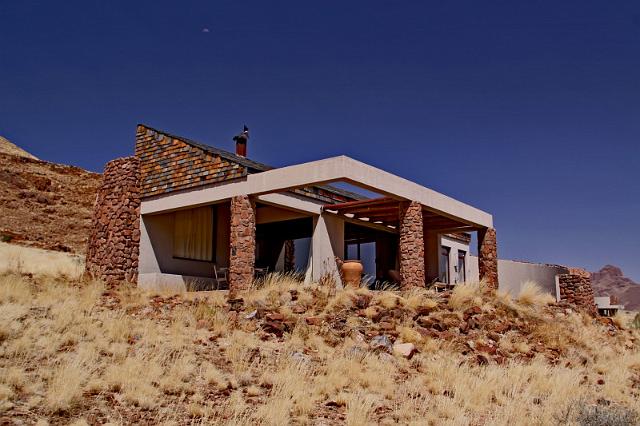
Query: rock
{"type": "Point", "coordinates": [406, 350]}
{"type": "Point", "coordinates": [274, 327]}
{"type": "Point", "coordinates": [501, 328]}
{"type": "Point", "coordinates": [494, 336]}
{"type": "Point", "coordinates": [275, 316]}
{"type": "Point", "coordinates": [294, 295]}
{"type": "Point", "coordinates": [299, 309]}
{"type": "Point", "coordinates": [362, 301]}
{"type": "Point", "coordinates": [474, 310]}
{"type": "Point", "coordinates": [386, 326]}
{"type": "Point", "coordinates": [252, 314]}
{"type": "Point", "coordinates": [380, 342]}
{"type": "Point", "coordinates": [236, 303]}
{"type": "Point", "coordinates": [482, 360]}
{"type": "Point", "coordinates": [201, 324]}
{"type": "Point", "coordinates": [491, 350]}
{"type": "Point", "coordinates": [313, 320]}
{"type": "Point", "coordinates": [300, 357]}
{"type": "Point", "coordinates": [425, 322]}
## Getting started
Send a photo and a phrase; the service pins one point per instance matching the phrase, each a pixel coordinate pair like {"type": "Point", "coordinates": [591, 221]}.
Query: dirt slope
{"type": "Point", "coordinates": [44, 204]}
{"type": "Point", "coordinates": [7, 147]}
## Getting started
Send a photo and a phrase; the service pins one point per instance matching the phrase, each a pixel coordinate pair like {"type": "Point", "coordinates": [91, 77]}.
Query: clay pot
{"type": "Point", "coordinates": [352, 273]}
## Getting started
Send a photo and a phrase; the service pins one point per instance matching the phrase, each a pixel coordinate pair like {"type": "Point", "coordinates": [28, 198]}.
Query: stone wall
{"type": "Point", "coordinates": [114, 241]}
{"type": "Point", "coordinates": [243, 243]}
{"type": "Point", "coordinates": [411, 245]}
{"type": "Point", "coordinates": [488, 257]}
{"type": "Point", "coordinates": [575, 289]}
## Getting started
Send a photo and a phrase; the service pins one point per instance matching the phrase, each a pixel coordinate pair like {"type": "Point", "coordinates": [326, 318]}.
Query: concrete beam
{"type": "Point", "coordinates": [320, 172]}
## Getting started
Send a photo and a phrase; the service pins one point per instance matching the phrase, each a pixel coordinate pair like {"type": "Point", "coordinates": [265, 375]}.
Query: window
{"type": "Point", "coordinates": [193, 234]}
{"type": "Point", "coordinates": [462, 276]}
{"type": "Point", "coordinates": [444, 264]}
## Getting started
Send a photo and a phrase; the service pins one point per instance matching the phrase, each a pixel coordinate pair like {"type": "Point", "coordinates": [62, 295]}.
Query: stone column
{"type": "Point", "coordinates": [411, 245]}
{"type": "Point", "coordinates": [488, 257]}
{"type": "Point", "coordinates": [114, 240]}
{"type": "Point", "coordinates": [575, 289]}
{"type": "Point", "coordinates": [242, 256]}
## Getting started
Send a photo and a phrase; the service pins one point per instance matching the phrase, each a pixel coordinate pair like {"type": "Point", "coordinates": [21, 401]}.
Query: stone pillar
{"type": "Point", "coordinates": [411, 249]}
{"type": "Point", "coordinates": [242, 257]}
{"type": "Point", "coordinates": [289, 256]}
{"type": "Point", "coordinates": [114, 240]}
{"type": "Point", "coordinates": [575, 289]}
{"type": "Point", "coordinates": [488, 257]}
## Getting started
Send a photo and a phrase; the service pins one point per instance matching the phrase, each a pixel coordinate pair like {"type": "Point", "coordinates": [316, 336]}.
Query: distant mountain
{"type": "Point", "coordinates": [44, 204]}
{"type": "Point", "coordinates": [6, 147]}
{"type": "Point", "coordinates": [610, 281]}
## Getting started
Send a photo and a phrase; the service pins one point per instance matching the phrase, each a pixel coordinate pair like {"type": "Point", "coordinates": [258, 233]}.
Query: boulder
{"type": "Point", "coordinates": [406, 350]}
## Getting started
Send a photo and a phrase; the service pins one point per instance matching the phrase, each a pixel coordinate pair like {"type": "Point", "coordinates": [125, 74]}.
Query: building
{"type": "Point", "coordinates": [178, 212]}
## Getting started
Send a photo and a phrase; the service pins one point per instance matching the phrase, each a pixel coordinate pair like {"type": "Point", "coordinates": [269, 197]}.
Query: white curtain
{"type": "Point", "coordinates": [193, 234]}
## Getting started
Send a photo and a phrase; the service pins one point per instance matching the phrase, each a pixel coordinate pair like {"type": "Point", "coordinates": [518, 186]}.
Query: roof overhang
{"type": "Point", "coordinates": [334, 169]}
{"type": "Point", "coordinates": [385, 211]}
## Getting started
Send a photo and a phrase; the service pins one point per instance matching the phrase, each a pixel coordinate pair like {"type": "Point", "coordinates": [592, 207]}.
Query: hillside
{"type": "Point", "coordinates": [610, 281]}
{"type": "Point", "coordinates": [7, 147]}
{"type": "Point", "coordinates": [289, 353]}
{"type": "Point", "coordinates": [44, 204]}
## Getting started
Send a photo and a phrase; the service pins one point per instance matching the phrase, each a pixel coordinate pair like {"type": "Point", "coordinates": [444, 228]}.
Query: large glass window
{"type": "Point", "coordinates": [193, 234]}
{"type": "Point", "coordinates": [444, 264]}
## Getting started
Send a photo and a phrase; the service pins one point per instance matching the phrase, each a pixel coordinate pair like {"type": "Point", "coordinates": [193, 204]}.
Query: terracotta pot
{"type": "Point", "coordinates": [352, 273]}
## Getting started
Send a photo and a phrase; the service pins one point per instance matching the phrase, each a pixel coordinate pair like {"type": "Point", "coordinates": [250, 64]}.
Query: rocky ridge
{"type": "Point", "coordinates": [43, 204]}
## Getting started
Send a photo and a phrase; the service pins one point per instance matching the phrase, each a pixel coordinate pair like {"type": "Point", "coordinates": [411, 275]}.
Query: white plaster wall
{"type": "Point", "coordinates": [327, 242]}
{"type": "Point", "coordinates": [269, 214]}
{"type": "Point", "coordinates": [454, 246]}
{"type": "Point", "coordinates": [513, 274]}
{"type": "Point", "coordinates": [156, 247]}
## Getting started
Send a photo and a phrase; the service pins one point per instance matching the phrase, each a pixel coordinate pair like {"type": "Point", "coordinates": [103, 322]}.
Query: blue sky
{"type": "Point", "coordinates": [528, 110]}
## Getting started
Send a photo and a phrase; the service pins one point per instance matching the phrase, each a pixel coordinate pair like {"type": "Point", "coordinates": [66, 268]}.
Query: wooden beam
{"type": "Point", "coordinates": [365, 209]}
{"type": "Point", "coordinates": [378, 226]}
{"type": "Point", "coordinates": [367, 202]}
{"type": "Point", "coordinates": [445, 230]}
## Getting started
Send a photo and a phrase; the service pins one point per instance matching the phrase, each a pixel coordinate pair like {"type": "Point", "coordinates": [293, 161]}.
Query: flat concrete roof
{"type": "Point", "coordinates": [336, 169]}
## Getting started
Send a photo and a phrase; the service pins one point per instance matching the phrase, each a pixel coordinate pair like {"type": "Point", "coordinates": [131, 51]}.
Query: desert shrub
{"type": "Point", "coordinates": [532, 295]}
{"type": "Point", "coordinates": [606, 415]}
{"type": "Point", "coordinates": [636, 322]}
{"type": "Point", "coordinates": [6, 238]}
{"type": "Point", "coordinates": [465, 294]}
{"type": "Point", "coordinates": [382, 285]}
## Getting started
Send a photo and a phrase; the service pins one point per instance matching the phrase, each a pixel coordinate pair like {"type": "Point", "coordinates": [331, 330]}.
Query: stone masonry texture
{"type": "Point", "coordinates": [169, 164]}
{"type": "Point", "coordinates": [576, 290]}
{"type": "Point", "coordinates": [114, 241]}
{"type": "Point", "coordinates": [412, 273]}
{"type": "Point", "coordinates": [488, 257]}
{"type": "Point", "coordinates": [243, 243]}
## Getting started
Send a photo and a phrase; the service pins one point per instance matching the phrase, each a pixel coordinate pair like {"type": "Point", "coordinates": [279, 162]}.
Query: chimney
{"type": "Point", "coordinates": [241, 142]}
{"type": "Point", "coordinates": [241, 148]}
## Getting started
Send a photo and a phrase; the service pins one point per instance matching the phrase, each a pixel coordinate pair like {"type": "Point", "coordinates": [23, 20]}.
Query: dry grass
{"type": "Point", "coordinates": [74, 352]}
{"type": "Point", "coordinates": [532, 295]}
{"type": "Point", "coordinates": [43, 263]}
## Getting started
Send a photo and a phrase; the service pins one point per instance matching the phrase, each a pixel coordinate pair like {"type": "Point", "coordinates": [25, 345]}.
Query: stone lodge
{"type": "Point", "coordinates": [183, 215]}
